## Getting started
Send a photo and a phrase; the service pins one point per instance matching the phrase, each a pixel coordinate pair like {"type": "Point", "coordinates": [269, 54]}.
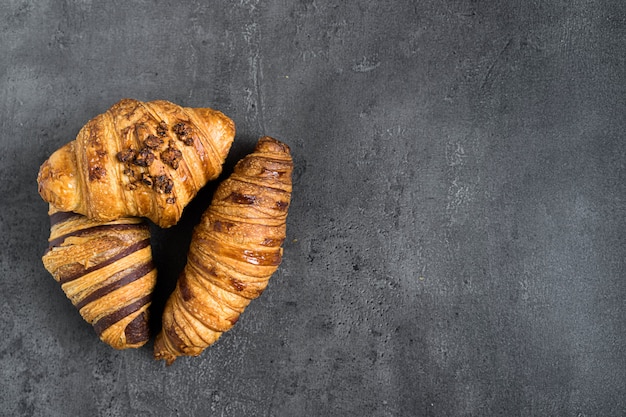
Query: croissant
{"type": "Point", "coordinates": [138, 159]}
{"type": "Point", "coordinates": [235, 249]}
{"type": "Point", "coordinates": [106, 270]}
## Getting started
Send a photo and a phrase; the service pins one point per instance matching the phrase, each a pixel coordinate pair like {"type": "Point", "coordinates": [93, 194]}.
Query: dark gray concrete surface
{"type": "Point", "coordinates": [456, 240]}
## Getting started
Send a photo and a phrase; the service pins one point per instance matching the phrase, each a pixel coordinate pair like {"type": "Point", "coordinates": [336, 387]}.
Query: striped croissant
{"type": "Point", "coordinates": [106, 270]}
{"type": "Point", "coordinates": [233, 253]}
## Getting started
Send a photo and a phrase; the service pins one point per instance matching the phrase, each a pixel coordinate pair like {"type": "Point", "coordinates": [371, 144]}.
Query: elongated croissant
{"type": "Point", "coordinates": [138, 159]}
{"type": "Point", "coordinates": [235, 249]}
{"type": "Point", "coordinates": [106, 270]}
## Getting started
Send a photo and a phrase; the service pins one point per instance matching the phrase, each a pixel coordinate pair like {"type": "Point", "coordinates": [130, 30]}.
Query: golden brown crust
{"type": "Point", "coordinates": [106, 271]}
{"type": "Point", "coordinates": [234, 251]}
{"type": "Point", "coordinates": [138, 159]}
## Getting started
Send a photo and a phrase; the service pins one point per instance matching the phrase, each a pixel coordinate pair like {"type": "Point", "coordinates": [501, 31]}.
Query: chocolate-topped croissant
{"type": "Point", "coordinates": [138, 159]}
{"type": "Point", "coordinates": [233, 253]}
{"type": "Point", "coordinates": [106, 271]}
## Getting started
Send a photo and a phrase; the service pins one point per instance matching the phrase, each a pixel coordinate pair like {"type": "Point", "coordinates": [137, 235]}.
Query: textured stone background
{"type": "Point", "coordinates": [456, 240]}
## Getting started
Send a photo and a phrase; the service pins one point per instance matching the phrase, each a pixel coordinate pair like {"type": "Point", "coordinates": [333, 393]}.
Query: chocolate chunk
{"type": "Point", "coordinates": [171, 156]}
{"type": "Point", "coordinates": [144, 158]}
{"type": "Point", "coordinates": [163, 184]}
{"type": "Point", "coordinates": [146, 179]}
{"type": "Point", "coordinates": [182, 129]}
{"type": "Point", "coordinates": [126, 155]}
{"type": "Point", "coordinates": [161, 129]}
{"type": "Point", "coordinates": [153, 142]}
{"type": "Point", "coordinates": [184, 133]}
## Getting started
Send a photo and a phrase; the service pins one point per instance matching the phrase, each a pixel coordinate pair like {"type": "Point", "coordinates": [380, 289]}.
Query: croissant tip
{"type": "Point", "coordinates": [169, 359]}
{"type": "Point", "coordinates": [57, 181]}
{"type": "Point", "coordinates": [269, 144]}
{"type": "Point", "coordinates": [160, 352]}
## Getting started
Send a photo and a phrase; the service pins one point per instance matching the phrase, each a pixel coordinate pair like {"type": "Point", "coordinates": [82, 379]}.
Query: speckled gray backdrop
{"type": "Point", "coordinates": [456, 240]}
